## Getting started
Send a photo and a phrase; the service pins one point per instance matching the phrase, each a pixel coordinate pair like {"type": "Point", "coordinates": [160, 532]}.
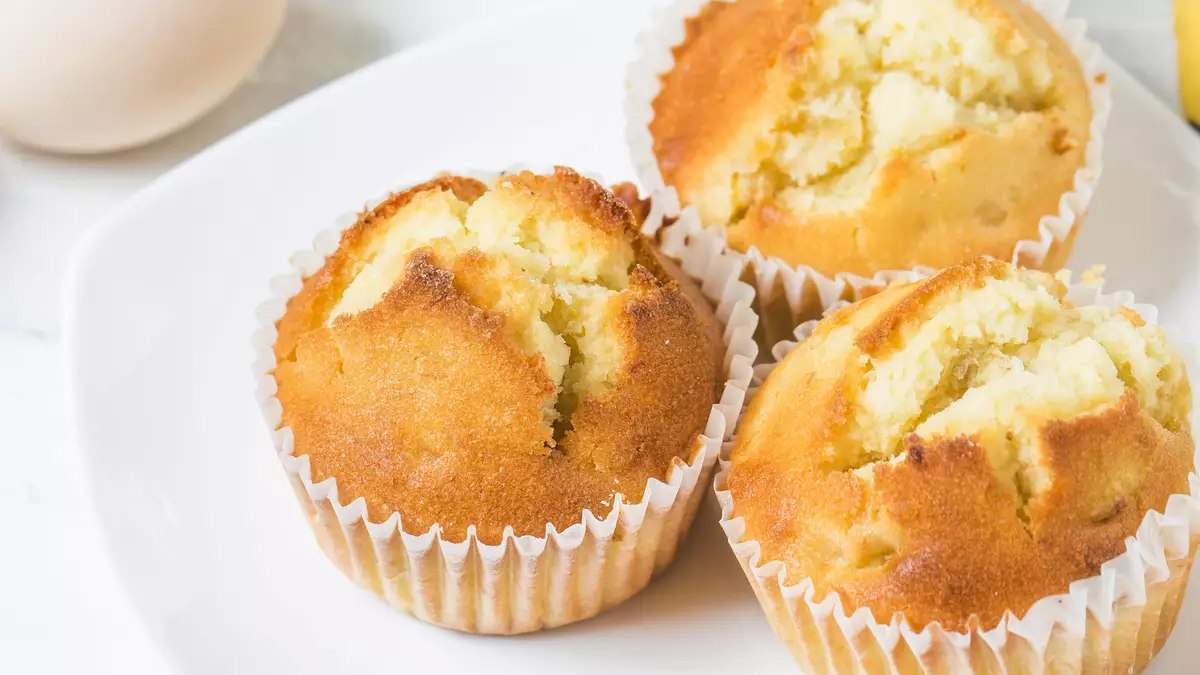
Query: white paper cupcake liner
{"type": "Point", "coordinates": [524, 583]}
{"type": "Point", "coordinates": [1114, 622]}
{"type": "Point", "coordinates": [788, 294]}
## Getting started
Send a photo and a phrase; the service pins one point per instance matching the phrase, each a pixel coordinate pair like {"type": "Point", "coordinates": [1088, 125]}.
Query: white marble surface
{"type": "Point", "coordinates": [60, 608]}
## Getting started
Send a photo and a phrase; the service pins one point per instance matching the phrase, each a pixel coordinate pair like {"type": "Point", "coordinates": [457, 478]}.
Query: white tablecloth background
{"type": "Point", "coordinates": [60, 608]}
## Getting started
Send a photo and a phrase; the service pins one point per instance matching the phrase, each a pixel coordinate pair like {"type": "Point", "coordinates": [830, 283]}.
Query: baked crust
{"type": "Point", "coordinates": [736, 73]}
{"type": "Point", "coordinates": [423, 403]}
{"type": "Point", "coordinates": [935, 531]}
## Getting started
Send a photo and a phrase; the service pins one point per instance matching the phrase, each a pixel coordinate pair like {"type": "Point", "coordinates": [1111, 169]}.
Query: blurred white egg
{"type": "Point", "coordinates": [100, 75]}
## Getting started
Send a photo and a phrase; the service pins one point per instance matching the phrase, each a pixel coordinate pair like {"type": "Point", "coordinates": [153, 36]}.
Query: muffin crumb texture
{"type": "Point", "coordinates": [962, 446]}
{"type": "Point", "coordinates": [888, 77]}
{"type": "Point", "coordinates": [550, 275]}
{"type": "Point", "coordinates": [860, 135]}
{"type": "Point", "coordinates": [495, 355]}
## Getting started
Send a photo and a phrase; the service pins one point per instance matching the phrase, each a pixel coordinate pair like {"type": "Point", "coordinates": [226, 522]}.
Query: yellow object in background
{"type": "Point", "coordinates": [1187, 34]}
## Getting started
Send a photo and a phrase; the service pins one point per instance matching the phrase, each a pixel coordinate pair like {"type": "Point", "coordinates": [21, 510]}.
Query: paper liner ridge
{"type": "Point", "coordinates": [524, 583]}
{"type": "Point", "coordinates": [1113, 622]}
{"type": "Point", "coordinates": [775, 280]}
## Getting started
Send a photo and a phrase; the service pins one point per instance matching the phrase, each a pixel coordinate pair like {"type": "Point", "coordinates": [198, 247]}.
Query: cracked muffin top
{"type": "Point", "coordinates": [862, 135]}
{"type": "Point", "coordinates": [504, 354]}
{"type": "Point", "coordinates": [962, 446]}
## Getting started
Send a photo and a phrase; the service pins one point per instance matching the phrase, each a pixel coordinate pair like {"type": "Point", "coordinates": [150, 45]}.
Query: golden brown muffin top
{"type": "Point", "coordinates": [495, 355]}
{"type": "Point", "coordinates": [962, 446]}
{"type": "Point", "coordinates": [859, 135]}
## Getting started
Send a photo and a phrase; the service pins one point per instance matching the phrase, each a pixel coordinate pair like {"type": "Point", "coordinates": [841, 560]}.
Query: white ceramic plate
{"type": "Point", "coordinates": [160, 305]}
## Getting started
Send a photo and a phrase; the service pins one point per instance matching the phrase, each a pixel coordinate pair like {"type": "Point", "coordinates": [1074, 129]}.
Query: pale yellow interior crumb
{"type": "Point", "coordinates": [550, 276]}
{"type": "Point", "coordinates": [889, 77]}
{"type": "Point", "coordinates": [994, 363]}
{"type": "Point", "coordinates": [997, 363]}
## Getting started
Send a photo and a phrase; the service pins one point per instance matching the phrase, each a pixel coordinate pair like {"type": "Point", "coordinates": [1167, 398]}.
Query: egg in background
{"type": "Point", "coordinates": [90, 76]}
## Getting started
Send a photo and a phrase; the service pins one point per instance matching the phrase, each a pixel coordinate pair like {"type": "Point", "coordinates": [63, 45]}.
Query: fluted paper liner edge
{"type": "Point", "coordinates": [1114, 622]}
{"type": "Point", "coordinates": [799, 291]}
{"type": "Point", "coordinates": [524, 583]}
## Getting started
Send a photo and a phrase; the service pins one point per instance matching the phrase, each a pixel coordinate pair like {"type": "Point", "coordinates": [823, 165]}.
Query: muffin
{"type": "Point", "coordinates": [504, 370]}
{"type": "Point", "coordinates": [948, 454]}
{"type": "Point", "coordinates": [854, 136]}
